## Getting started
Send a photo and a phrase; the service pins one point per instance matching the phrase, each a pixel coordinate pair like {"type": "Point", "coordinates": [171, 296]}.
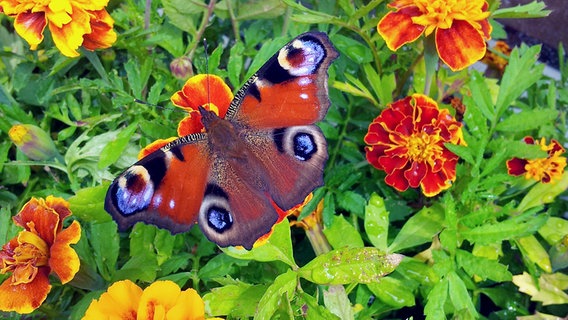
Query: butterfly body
{"type": "Point", "coordinates": [265, 152]}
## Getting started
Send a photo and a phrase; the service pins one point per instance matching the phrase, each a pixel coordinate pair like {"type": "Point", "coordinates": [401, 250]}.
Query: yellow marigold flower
{"type": "Point", "coordinates": [544, 170]}
{"type": "Point", "coordinates": [72, 23]}
{"type": "Point", "coordinates": [161, 300]}
{"type": "Point", "coordinates": [43, 247]}
{"type": "Point", "coordinates": [407, 141]}
{"type": "Point", "coordinates": [460, 28]}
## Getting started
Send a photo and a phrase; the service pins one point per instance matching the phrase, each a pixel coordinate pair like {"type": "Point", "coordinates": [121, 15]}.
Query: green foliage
{"type": "Point", "coordinates": [492, 246]}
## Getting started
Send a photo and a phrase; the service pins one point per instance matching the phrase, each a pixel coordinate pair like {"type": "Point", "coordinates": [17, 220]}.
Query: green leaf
{"type": "Point", "coordinates": [236, 300]}
{"type": "Point", "coordinates": [461, 151]}
{"type": "Point", "coordinates": [350, 265]}
{"type": "Point", "coordinates": [521, 72]}
{"type": "Point", "coordinates": [88, 204]}
{"type": "Point", "coordinates": [342, 234]}
{"type": "Point", "coordinates": [543, 193]}
{"type": "Point", "coordinates": [142, 267]}
{"type": "Point", "coordinates": [181, 14]}
{"type": "Point", "coordinates": [335, 299]}
{"type": "Point", "coordinates": [527, 120]}
{"type": "Point", "coordinates": [549, 289]}
{"type": "Point", "coordinates": [393, 292]}
{"type": "Point", "coordinates": [352, 202]}
{"type": "Point", "coordinates": [518, 226]}
{"type": "Point", "coordinates": [104, 240]}
{"type": "Point", "coordinates": [284, 286]}
{"type": "Point", "coordinates": [534, 9]}
{"type": "Point", "coordinates": [419, 229]}
{"type": "Point", "coordinates": [383, 86]}
{"type": "Point", "coordinates": [277, 248]}
{"type": "Point", "coordinates": [377, 222]}
{"type": "Point", "coordinates": [554, 230]}
{"type": "Point", "coordinates": [314, 310]}
{"type": "Point", "coordinates": [460, 298]}
{"type": "Point", "coordinates": [113, 150]}
{"type": "Point", "coordinates": [220, 266]}
{"type": "Point", "coordinates": [534, 252]}
{"type": "Point", "coordinates": [482, 267]}
{"type": "Point", "coordinates": [434, 308]}
{"type": "Point", "coordinates": [235, 64]}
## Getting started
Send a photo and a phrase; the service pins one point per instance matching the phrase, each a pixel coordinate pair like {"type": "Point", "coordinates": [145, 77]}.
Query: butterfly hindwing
{"type": "Point", "coordinates": [164, 188]}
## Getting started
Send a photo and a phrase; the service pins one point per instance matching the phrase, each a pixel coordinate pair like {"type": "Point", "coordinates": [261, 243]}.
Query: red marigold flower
{"type": "Point", "coordinates": [407, 141]}
{"type": "Point", "coordinates": [161, 300]}
{"type": "Point", "coordinates": [41, 248]}
{"type": "Point", "coordinates": [460, 28]}
{"type": "Point", "coordinates": [544, 170]}
{"type": "Point", "coordinates": [72, 23]}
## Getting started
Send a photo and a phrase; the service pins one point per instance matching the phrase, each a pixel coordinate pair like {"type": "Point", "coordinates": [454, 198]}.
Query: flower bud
{"type": "Point", "coordinates": [181, 68]}
{"type": "Point", "coordinates": [33, 141]}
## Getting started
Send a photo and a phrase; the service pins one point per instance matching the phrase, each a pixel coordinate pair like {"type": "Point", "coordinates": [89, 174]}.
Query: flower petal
{"type": "Point", "coordinates": [69, 37]}
{"type": "Point", "coordinates": [434, 183]}
{"type": "Point", "coordinates": [416, 173]}
{"type": "Point", "coordinates": [102, 35]}
{"type": "Point", "coordinates": [189, 306]}
{"type": "Point", "coordinates": [397, 180]}
{"type": "Point", "coordinates": [30, 26]}
{"type": "Point", "coordinates": [157, 299]}
{"type": "Point", "coordinates": [516, 166]}
{"type": "Point", "coordinates": [25, 298]}
{"type": "Point", "coordinates": [202, 89]}
{"type": "Point", "coordinates": [460, 46]}
{"type": "Point", "coordinates": [63, 260]}
{"type": "Point", "coordinates": [36, 216]}
{"type": "Point", "coordinates": [119, 302]}
{"type": "Point", "coordinates": [154, 146]}
{"type": "Point", "coordinates": [190, 124]}
{"type": "Point", "coordinates": [397, 28]}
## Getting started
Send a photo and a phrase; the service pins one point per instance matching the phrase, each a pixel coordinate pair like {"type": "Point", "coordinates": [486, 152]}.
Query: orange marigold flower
{"type": "Point", "coordinates": [460, 28]}
{"type": "Point", "coordinates": [72, 23]}
{"type": "Point", "coordinates": [161, 300]}
{"type": "Point", "coordinates": [205, 90]}
{"type": "Point", "coordinates": [544, 170]}
{"type": "Point", "coordinates": [495, 59]}
{"type": "Point", "coordinates": [407, 141]}
{"type": "Point", "coordinates": [41, 248]}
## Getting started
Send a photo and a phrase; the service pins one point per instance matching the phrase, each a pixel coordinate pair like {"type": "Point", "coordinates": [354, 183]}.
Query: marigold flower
{"type": "Point", "coordinates": [35, 143]}
{"type": "Point", "coordinates": [407, 141]}
{"type": "Point", "coordinates": [544, 170]}
{"type": "Point", "coordinates": [460, 28]}
{"type": "Point", "coordinates": [205, 90]}
{"type": "Point", "coordinates": [495, 58]}
{"type": "Point", "coordinates": [161, 300]}
{"type": "Point", "coordinates": [41, 248]}
{"type": "Point", "coordinates": [72, 23]}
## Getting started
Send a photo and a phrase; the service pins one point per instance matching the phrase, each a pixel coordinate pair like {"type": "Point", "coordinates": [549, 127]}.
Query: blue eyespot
{"type": "Point", "coordinates": [304, 146]}
{"type": "Point", "coordinates": [219, 219]}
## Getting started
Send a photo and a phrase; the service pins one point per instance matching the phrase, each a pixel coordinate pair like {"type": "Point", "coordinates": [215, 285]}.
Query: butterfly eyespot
{"type": "Point", "coordinates": [304, 146]}
{"type": "Point", "coordinates": [219, 219]}
{"type": "Point", "coordinates": [134, 190]}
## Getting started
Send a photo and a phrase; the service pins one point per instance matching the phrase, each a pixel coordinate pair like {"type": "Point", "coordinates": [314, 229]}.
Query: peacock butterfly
{"type": "Point", "coordinates": [266, 151]}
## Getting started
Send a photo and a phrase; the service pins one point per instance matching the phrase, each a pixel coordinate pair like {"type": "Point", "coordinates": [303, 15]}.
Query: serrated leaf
{"type": "Point", "coordinates": [236, 300]}
{"type": "Point", "coordinates": [543, 193]}
{"type": "Point", "coordinates": [104, 240]}
{"type": "Point", "coordinates": [283, 287]}
{"type": "Point", "coordinates": [181, 14]}
{"type": "Point", "coordinates": [142, 267]}
{"type": "Point", "coordinates": [535, 252]}
{"type": "Point", "coordinates": [549, 289]}
{"type": "Point", "coordinates": [113, 150]}
{"type": "Point", "coordinates": [393, 292]}
{"type": "Point", "coordinates": [460, 297]}
{"type": "Point", "coordinates": [527, 120]}
{"type": "Point", "coordinates": [350, 265]}
{"type": "Point", "coordinates": [534, 9]}
{"type": "Point", "coordinates": [482, 267]}
{"type": "Point", "coordinates": [377, 222]}
{"type": "Point", "coordinates": [88, 204]}
{"type": "Point", "coordinates": [419, 229]}
{"type": "Point", "coordinates": [277, 248]}
{"type": "Point", "coordinates": [342, 234]}
{"type": "Point", "coordinates": [434, 308]}
{"type": "Point", "coordinates": [519, 226]}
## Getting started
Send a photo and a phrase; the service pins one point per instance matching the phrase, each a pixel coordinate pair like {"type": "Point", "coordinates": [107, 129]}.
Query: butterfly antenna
{"type": "Point", "coordinates": [207, 70]}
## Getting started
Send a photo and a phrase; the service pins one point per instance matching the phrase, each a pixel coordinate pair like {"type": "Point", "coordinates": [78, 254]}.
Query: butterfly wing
{"type": "Point", "coordinates": [290, 89]}
{"type": "Point", "coordinates": [165, 188]}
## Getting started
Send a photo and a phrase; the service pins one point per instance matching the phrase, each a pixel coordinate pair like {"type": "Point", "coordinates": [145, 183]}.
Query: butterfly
{"type": "Point", "coordinates": [266, 151]}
